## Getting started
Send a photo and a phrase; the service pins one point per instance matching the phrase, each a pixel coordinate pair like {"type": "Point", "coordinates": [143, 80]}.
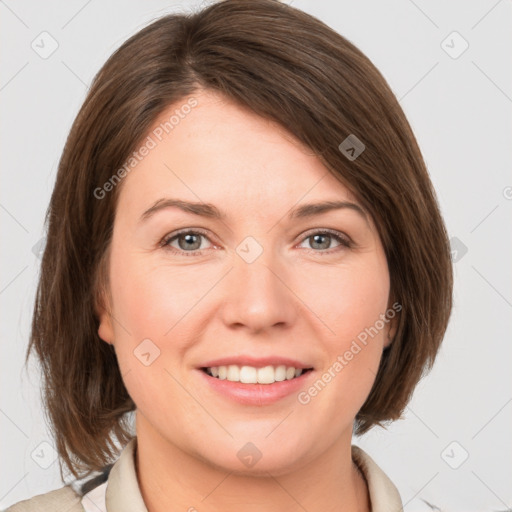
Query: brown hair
{"type": "Point", "coordinates": [284, 65]}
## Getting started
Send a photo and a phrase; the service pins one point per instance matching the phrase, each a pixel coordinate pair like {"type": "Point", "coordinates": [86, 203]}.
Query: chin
{"type": "Point", "coordinates": [255, 456]}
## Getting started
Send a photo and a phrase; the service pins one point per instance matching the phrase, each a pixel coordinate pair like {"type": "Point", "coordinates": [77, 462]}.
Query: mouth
{"type": "Point", "coordinates": [265, 375]}
{"type": "Point", "coordinates": [255, 386]}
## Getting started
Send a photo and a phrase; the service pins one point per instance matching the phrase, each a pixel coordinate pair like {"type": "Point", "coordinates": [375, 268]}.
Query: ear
{"type": "Point", "coordinates": [389, 339]}
{"type": "Point", "coordinates": [393, 315]}
{"type": "Point", "coordinates": [105, 328]}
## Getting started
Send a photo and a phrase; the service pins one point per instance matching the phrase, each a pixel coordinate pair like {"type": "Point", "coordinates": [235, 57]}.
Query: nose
{"type": "Point", "coordinates": [258, 295]}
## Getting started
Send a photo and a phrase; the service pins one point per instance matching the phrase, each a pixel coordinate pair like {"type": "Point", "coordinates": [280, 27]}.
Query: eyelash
{"type": "Point", "coordinates": [342, 239]}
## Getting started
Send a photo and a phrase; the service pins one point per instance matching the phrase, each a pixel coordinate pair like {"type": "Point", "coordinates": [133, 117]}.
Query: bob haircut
{"type": "Point", "coordinates": [286, 66]}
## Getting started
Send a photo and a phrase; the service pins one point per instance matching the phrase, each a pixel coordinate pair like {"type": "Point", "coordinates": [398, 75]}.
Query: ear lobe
{"type": "Point", "coordinates": [392, 328]}
{"type": "Point", "coordinates": [105, 331]}
{"type": "Point", "coordinates": [105, 328]}
{"type": "Point", "coordinates": [389, 339]}
{"type": "Point", "coordinates": [102, 299]}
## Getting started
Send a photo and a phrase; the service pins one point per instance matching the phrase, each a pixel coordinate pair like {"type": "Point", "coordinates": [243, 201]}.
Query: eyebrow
{"type": "Point", "coordinates": [211, 211]}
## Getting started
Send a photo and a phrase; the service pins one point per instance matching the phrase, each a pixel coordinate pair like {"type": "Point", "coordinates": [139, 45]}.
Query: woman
{"type": "Point", "coordinates": [244, 249]}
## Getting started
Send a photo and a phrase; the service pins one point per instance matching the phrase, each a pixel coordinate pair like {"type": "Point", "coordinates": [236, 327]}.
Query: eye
{"type": "Point", "coordinates": [188, 242]}
{"type": "Point", "coordinates": [321, 241]}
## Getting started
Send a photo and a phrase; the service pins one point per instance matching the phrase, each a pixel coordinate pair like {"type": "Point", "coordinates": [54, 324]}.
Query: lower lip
{"type": "Point", "coordinates": [256, 394]}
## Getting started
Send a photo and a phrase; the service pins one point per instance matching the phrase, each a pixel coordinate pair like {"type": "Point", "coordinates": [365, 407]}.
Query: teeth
{"type": "Point", "coordinates": [251, 375]}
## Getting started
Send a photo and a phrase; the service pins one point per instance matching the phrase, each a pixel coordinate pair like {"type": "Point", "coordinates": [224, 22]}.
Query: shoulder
{"type": "Point", "coordinates": [64, 499]}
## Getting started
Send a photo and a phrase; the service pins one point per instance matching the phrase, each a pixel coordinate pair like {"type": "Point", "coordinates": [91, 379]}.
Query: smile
{"type": "Point", "coordinates": [276, 388]}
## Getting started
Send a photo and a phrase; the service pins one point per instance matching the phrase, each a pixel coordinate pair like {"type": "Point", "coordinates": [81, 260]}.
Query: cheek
{"type": "Point", "coordinates": [151, 304]}
{"type": "Point", "coordinates": [163, 304]}
{"type": "Point", "coordinates": [350, 305]}
{"type": "Point", "coordinates": [151, 297]}
{"type": "Point", "coordinates": [347, 299]}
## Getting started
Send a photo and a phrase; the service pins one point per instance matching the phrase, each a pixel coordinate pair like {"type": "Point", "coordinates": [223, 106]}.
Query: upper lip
{"type": "Point", "coordinates": [257, 362]}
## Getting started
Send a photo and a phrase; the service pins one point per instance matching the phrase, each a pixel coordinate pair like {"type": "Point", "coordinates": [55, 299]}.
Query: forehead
{"type": "Point", "coordinates": [222, 153]}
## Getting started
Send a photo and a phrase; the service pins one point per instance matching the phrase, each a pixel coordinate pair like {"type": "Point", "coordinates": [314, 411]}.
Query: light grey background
{"type": "Point", "coordinates": [460, 111]}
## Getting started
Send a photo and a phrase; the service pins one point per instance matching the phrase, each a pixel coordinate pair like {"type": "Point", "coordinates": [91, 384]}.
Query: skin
{"type": "Point", "coordinates": [294, 300]}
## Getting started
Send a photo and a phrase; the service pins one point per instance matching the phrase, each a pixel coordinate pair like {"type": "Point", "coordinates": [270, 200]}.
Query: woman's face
{"type": "Point", "coordinates": [258, 283]}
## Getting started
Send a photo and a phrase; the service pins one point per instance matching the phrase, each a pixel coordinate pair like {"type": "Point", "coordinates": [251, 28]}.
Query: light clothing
{"type": "Point", "coordinates": [119, 491]}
